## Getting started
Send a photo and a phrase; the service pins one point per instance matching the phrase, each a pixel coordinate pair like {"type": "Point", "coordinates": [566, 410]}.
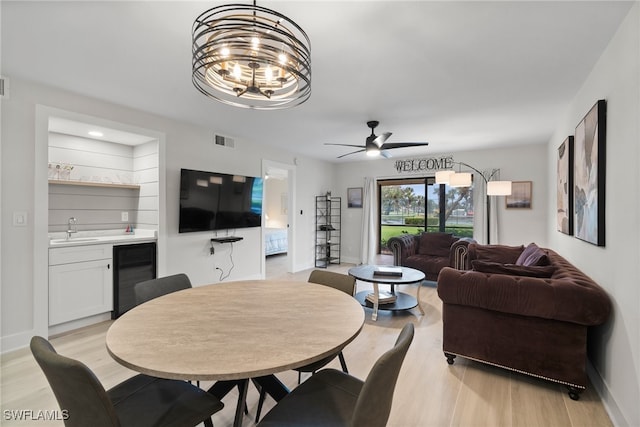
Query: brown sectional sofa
{"type": "Point", "coordinates": [532, 325]}
{"type": "Point", "coordinates": [429, 252]}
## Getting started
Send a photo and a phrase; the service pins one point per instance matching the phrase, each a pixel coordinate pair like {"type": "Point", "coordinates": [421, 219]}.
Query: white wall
{"type": "Point", "coordinates": [24, 150]}
{"type": "Point", "coordinates": [615, 78]}
{"type": "Point", "coordinates": [525, 163]}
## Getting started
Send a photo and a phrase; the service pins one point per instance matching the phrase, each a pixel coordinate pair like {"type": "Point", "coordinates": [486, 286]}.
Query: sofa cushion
{"type": "Point", "coordinates": [542, 271]}
{"type": "Point", "coordinates": [495, 253]}
{"type": "Point", "coordinates": [435, 244]}
{"type": "Point", "coordinates": [431, 265]}
{"type": "Point", "coordinates": [533, 255]}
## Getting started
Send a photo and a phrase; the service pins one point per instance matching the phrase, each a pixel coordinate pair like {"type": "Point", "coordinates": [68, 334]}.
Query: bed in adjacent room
{"type": "Point", "coordinates": [275, 241]}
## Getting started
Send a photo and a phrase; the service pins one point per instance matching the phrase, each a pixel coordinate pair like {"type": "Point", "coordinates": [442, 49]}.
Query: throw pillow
{"type": "Point", "coordinates": [435, 244]}
{"type": "Point", "coordinates": [495, 253]}
{"type": "Point", "coordinates": [541, 271]}
{"type": "Point", "coordinates": [533, 255]}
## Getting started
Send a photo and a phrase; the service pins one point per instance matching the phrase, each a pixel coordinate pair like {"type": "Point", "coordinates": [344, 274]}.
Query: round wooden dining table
{"type": "Point", "coordinates": [235, 331]}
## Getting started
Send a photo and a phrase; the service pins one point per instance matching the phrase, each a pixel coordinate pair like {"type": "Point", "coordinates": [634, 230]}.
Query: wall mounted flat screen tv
{"type": "Point", "coordinates": [218, 201]}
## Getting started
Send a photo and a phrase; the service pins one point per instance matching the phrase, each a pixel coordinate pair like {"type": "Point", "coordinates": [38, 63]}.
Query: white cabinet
{"type": "Point", "coordinates": [80, 282]}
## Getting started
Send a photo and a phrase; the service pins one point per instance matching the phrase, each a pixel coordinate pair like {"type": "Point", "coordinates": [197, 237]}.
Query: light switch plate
{"type": "Point", "coordinates": [20, 219]}
{"type": "Point", "coordinates": [124, 216]}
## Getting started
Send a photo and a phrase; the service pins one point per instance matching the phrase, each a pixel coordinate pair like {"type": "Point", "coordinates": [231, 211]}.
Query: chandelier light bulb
{"type": "Point", "coordinates": [282, 58]}
{"type": "Point", "coordinates": [255, 42]}
{"type": "Point", "coordinates": [268, 74]}
{"type": "Point", "coordinates": [225, 52]}
{"type": "Point", "coordinates": [237, 71]}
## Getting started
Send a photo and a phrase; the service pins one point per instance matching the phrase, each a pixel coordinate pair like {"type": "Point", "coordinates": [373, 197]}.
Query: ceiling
{"type": "Point", "coordinates": [461, 75]}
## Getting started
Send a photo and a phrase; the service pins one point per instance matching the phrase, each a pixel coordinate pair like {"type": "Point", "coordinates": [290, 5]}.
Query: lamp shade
{"type": "Point", "coordinates": [460, 179]}
{"type": "Point", "coordinates": [442, 177]}
{"type": "Point", "coordinates": [499, 188]}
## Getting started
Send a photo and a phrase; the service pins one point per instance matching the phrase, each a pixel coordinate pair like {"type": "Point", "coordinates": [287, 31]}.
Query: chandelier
{"type": "Point", "coordinates": [251, 57]}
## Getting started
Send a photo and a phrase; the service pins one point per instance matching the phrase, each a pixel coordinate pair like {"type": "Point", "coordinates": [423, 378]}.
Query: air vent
{"type": "Point", "coordinates": [224, 141]}
{"type": "Point", "coordinates": [4, 87]}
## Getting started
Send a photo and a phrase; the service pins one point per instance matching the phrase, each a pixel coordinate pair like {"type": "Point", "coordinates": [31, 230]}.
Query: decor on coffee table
{"type": "Point", "coordinates": [564, 188]}
{"type": "Point", "coordinates": [589, 176]}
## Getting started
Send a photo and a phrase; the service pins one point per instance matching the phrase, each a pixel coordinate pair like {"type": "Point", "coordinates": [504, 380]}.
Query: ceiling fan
{"type": "Point", "coordinates": [376, 145]}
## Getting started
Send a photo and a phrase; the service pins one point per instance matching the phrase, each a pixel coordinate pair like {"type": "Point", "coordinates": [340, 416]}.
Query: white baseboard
{"type": "Point", "coordinates": [610, 405]}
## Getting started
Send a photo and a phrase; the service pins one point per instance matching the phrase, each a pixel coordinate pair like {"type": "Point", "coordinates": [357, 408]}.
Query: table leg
{"type": "Point", "coordinates": [243, 386]}
{"type": "Point", "coordinates": [418, 298]}
{"type": "Point", "coordinates": [221, 388]}
{"type": "Point", "coordinates": [374, 315]}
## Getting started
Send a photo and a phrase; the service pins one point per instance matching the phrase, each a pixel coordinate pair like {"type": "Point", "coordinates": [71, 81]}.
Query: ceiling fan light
{"type": "Point", "coordinates": [499, 188]}
{"type": "Point", "coordinates": [460, 179]}
{"type": "Point", "coordinates": [373, 152]}
{"type": "Point", "coordinates": [442, 177]}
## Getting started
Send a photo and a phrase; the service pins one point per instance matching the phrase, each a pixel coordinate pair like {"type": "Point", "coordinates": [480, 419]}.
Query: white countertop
{"type": "Point", "coordinates": [100, 237]}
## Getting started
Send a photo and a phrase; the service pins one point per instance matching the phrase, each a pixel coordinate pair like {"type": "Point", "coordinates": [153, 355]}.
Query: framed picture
{"type": "Point", "coordinates": [520, 197]}
{"type": "Point", "coordinates": [589, 176]}
{"type": "Point", "coordinates": [354, 197]}
{"type": "Point", "coordinates": [564, 189]}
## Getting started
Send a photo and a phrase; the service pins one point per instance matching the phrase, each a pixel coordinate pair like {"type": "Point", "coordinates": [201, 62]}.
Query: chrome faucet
{"type": "Point", "coordinates": [72, 227]}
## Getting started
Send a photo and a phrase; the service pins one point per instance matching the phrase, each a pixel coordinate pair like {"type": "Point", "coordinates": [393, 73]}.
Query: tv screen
{"type": "Point", "coordinates": [218, 201]}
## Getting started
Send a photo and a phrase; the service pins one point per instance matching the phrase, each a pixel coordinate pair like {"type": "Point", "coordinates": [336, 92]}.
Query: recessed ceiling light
{"type": "Point", "coordinates": [96, 133]}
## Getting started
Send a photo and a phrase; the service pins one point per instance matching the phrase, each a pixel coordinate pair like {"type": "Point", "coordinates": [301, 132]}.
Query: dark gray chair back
{"type": "Point", "coordinates": [154, 288]}
{"type": "Point", "coordinates": [374, 402]}
{"type": "Point", "coordinates": [338, 281]}
{"type": "Point", "coordinates": [76, 388]}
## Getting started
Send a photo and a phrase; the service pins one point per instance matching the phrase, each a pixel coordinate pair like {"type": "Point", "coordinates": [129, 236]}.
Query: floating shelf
{"type": "Point", "coordinates": [94, 184]}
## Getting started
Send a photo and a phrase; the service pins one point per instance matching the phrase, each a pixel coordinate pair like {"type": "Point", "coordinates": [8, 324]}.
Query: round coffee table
{"type": "Point", "coordinates": [369, 273]}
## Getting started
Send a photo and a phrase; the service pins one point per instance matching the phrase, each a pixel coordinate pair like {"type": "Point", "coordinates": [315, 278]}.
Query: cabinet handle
{"type": "Point", "coordinates": [108, 266]}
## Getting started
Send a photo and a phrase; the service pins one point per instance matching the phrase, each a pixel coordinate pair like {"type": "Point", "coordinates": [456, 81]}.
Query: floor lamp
{"type": "Point", "coordinates": [463, 179]}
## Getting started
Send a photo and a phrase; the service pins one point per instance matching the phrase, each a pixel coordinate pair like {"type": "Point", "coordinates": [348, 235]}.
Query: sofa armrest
{"type": "Point", "coordinates": [459, 254]}
{"type": "Point", "coordinates": [402, 247]}
{"type": "Point", "coordinates": [576, 300]}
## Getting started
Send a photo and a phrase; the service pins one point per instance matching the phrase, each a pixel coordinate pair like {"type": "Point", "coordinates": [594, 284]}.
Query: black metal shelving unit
{"type": "Point", "coordinates": [328, 218]}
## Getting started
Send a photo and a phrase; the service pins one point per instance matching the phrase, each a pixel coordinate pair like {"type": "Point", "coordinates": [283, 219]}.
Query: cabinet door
{"type": "Point", "coordinates": [79, 290]}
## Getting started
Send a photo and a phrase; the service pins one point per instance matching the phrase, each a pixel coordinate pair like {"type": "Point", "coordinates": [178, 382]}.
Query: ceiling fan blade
{"type": "Point", "coordinates": [353, 152]}
{"type": "Point", "coordinates": [379, 141]}
{"type": "Point", "coordinates": [345, 145]}
{"type": "Point", "coordinates": [391, 145]}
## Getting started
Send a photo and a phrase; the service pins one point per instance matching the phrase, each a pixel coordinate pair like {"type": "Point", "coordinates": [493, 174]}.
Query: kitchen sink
{"type": "Point", "coordinates": [78, 240]}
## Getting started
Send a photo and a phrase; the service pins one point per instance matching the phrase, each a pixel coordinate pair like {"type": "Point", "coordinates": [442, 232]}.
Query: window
{"type": "Point", "coordinates": [414, 205]}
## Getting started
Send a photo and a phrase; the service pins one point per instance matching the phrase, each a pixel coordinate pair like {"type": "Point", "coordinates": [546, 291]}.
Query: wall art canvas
{"type": "Point", "coordinates": [354, 197]}
{"type": "Point", "coordinates": [521, 193]}
{"type": "Point", "coordinates": [589, 176]}
{"type": "Point", "coordinates": [564, 191]}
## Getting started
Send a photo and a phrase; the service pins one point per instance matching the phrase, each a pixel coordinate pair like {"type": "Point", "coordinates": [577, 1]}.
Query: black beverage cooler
{"type": "Point", "coordinates": [132, 264]}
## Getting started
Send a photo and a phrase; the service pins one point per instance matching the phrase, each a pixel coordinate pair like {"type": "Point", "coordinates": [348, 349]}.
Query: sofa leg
{"type": "Point", "coordinates": [574, 393]}
{"type": "Point", "coordinates": [449, 357]}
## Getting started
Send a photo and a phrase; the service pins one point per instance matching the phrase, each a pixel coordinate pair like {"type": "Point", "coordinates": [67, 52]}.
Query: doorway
{"type": "Point", "coordinates": [278, 229]}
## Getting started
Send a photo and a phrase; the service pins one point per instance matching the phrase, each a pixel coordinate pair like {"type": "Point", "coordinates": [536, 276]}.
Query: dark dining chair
{"type": "Point", "coordinates": [342, 282]}
{"type": "Point", "coordinates": [333, 398]}
{"type": "Point", "coordinates": [140, 401]}
{"type": "Point", "coordinates": [154, 288]}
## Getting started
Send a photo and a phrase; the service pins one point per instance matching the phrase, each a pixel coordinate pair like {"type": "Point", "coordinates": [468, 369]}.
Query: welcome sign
{"type": "Point", "coordinates": [421, 165]}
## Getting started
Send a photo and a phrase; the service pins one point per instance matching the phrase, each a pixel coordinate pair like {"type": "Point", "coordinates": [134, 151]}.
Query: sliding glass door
{"type": "Point", "coordinates": [415, 205]}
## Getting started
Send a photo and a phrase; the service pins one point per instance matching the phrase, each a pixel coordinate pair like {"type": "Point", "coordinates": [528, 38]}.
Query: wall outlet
{"type": "Point", "coordinates": [124, 216]}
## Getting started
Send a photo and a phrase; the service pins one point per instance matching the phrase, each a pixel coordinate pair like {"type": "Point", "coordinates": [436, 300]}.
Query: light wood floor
{"type": "Point", "coordinates": [428, 393]}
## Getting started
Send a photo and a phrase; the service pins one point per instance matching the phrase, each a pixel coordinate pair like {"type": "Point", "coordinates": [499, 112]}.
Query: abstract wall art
{"type": "Point", "coordinates": [564, 190]}
{"type": "Point", "coordinates": [589, 176]}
